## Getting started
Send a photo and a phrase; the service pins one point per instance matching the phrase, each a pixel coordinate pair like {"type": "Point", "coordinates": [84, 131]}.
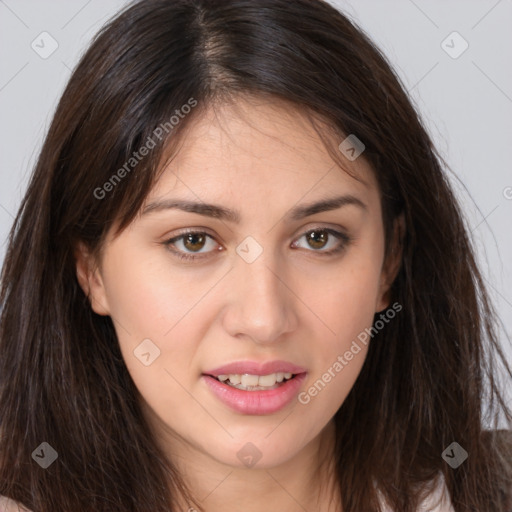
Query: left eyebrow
{"type": "Point", "coordinates": [302, 211]}
{"type": "Point", "coordinates": [222, 213]}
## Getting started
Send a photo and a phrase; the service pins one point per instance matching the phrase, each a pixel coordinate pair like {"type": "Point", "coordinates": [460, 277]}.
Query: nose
{"type": "Point", "coordinates": [261, 303]}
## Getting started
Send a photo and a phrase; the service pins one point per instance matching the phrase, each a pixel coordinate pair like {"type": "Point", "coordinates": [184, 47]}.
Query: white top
{"type": "Point", "coordinates": [438, 501]}
{"type": "Point", "coordinates": [8, 505]}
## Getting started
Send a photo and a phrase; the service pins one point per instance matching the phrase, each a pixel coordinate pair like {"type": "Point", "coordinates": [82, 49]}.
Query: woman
{"type": "Point", "coordinates": [239, 280]}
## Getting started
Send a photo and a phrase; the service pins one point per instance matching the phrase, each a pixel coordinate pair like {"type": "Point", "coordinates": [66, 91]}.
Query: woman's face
{"type": "Point", "coordinates": [273, 288]}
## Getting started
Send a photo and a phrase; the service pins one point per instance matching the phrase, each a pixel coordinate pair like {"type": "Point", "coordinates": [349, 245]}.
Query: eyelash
{"type": "Point", "coordinates": [344, 239]}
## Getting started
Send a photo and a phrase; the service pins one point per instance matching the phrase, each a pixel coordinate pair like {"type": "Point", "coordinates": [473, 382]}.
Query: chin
{"type": "Point", "coordinates": [250, 451]}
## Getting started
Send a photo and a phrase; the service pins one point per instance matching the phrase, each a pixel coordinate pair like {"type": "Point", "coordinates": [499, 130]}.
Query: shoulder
{"type": "Point", "coordinates": [438, 500]}
{"type": "Point", "coordinates": [9, 505]}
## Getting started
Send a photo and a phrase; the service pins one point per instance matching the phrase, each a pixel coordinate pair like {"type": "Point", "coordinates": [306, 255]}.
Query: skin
{"type": "Point", "coordinates": [291, 303]}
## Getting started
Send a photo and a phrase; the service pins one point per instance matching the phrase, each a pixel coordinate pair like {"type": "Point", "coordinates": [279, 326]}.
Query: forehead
{"type": "Point", "coordinates": [254, 148]}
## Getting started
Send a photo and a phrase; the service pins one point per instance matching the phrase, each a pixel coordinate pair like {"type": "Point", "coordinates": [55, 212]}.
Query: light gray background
{"type": "Point", "coordinates": [466, 102]}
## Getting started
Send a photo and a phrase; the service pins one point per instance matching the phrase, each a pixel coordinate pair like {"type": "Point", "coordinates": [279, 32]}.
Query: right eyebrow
{"type": "Point", "coordinates": [208, 210]}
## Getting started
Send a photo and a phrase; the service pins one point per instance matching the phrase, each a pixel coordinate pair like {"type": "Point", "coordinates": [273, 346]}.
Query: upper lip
{"type": "Point", "coordinates": [255, 368]}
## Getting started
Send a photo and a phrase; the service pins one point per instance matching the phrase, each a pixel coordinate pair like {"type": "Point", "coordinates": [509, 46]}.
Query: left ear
{"type": "Point", "coordinates": [90, 279]}
{"type": "Point", "coordinates": [391, 264]}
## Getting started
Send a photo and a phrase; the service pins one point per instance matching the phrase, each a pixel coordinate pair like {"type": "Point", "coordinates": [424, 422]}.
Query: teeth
{"type": "Point", "coordinates": [234, 379]}
{"type": "Point", "coordinates": [267, 380]}
{"type": "Point", "coordinates": [249, 380]}
{"type": "Point", "coordinates": [246, 381]}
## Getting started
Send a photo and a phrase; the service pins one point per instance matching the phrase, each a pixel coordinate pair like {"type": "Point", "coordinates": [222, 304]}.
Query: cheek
{"type": "Point", "coordinates": [344, 297]}
{"type": "Point", "coordinates": [159, 320]}
{"type": "Point", "coordinates": [157, 332]}
{"type": "Point", "coordinates": [146, 294]}
{"type": "Point", "coordinates": [346, 308]}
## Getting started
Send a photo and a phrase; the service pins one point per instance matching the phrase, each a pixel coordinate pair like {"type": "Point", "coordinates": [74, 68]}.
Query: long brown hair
{"type": "Point", "coordinates": [430, 377]}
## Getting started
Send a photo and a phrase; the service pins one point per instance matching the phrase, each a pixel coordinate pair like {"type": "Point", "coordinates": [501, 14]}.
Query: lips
{"type": "Point", "coordinates": [254, 399]}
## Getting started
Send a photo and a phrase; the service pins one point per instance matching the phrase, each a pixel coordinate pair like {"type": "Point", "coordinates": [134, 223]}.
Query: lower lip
{"type": "Point", "coordinates": [256, 402]}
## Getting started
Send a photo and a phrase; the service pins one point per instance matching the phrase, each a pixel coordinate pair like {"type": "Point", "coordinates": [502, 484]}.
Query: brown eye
{"type": "Point", "coordinates": [324, 238]}
{"type": "Point", "coordinates": [317, 239]}
{"type": "Point", "coordinates": [194, 241]}
{"type": "Point", "coordinates": [191, 245]}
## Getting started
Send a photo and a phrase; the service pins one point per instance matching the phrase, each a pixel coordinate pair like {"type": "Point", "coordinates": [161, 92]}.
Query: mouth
{"type": "Point", "coordinates": [256, 388]}
{"type": "Point", "coordinates": [248, 382]}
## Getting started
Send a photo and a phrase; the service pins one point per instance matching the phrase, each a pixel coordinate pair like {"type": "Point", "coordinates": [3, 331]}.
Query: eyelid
{"type": "Point", "coordinates": [338, 233]}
